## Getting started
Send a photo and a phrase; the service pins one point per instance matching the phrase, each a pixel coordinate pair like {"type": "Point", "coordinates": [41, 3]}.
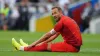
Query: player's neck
{"type": "Point", "coordinates": [61, 15]}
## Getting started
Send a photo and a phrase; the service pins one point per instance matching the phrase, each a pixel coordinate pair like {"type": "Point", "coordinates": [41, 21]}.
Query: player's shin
{"type": "Point", "coordinates": [42, 47]}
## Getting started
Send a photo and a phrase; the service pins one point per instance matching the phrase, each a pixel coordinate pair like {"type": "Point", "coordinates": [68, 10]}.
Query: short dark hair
{"type": "Point", "coordinates": [59, 9]}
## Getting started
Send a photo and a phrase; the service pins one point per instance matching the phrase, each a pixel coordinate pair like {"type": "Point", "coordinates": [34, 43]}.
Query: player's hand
{"type": "Point", "coordinates": [39, 44]}
{"type": "Point", "coordinates": [32, 45]}
{"type": "Point", "coordinates": [29, 46]}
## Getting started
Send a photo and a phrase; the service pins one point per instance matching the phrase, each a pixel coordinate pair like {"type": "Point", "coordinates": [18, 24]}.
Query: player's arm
{"type": "Point", "coordinates": [43, 38]}
{"type": "Point", "coordinates": [52, 37]}
{"type": "Point", "coordinates": [55, 32]}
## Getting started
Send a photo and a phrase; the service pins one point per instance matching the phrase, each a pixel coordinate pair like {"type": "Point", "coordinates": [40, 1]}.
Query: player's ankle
{"type": "Point", "coordinates": [21, 48]}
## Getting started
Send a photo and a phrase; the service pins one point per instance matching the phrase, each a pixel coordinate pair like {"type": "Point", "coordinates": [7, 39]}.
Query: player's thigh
{"type": "Point", "coordinates": [62, 47]}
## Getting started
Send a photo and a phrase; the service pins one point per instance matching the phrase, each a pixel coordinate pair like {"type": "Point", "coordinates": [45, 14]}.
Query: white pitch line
{"type": "Point", "coordinates": [90, 50]}
{"type": "Point", "coordinates": [5, 50]}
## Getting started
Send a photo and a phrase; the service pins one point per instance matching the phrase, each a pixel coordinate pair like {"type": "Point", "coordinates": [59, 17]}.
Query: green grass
{"type": "Point", "coordinates": [90, 47]}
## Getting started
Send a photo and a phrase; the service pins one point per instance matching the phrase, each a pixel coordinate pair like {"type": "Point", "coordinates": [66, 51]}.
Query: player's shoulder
{"type": "Point", "coordinates": [65, 17]}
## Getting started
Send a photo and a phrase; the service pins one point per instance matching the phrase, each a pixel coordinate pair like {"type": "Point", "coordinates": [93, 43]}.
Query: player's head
{"type": "Point", "coordinates": [57, 13]}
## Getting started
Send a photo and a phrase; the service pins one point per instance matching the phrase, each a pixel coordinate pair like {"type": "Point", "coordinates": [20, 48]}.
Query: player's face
{"type": "Point", "coordinates": [56, 14]}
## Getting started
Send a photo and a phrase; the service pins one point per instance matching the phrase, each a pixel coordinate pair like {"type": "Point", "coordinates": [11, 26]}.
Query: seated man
{"type": "Point", "coordinates": [65, 26]}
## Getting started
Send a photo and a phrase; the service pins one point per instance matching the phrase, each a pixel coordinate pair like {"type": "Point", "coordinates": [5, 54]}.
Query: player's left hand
{"type": "Point", "coordinates": [29, 46]}
{"type": "Point", "coordinates": [39, 44]}
{"type": "Point", "coordinates": [32, 45]}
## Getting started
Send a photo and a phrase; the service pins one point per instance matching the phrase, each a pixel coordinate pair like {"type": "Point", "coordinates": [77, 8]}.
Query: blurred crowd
{"type": "Point", "coordinates": [88, 14]}
{"type": "Point", "coordinates": [15, 14]}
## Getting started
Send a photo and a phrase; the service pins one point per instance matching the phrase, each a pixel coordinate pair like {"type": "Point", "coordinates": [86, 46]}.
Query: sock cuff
{"type": "Point", "coordinates": [22, 48]}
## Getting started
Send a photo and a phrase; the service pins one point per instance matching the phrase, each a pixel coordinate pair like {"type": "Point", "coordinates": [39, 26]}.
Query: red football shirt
{"type": "Point", "coordinates": [69, 31]}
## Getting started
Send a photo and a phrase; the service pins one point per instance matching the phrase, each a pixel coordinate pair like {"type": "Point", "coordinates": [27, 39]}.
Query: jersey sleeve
{"type": "Point", "coordinates": [58, 26]}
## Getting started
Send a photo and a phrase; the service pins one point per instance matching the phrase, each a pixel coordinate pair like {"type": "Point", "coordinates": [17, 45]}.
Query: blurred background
{"type": "Point", "coordinates": [35, 15]}
{"type": "Point", "coordinates": [30, 19]}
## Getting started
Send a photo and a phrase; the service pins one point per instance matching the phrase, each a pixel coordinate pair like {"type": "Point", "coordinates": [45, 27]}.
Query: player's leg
{"type": "Point", "coordinates": [41, 47]}
{"type": "Point", "coordinates": [62, 47]}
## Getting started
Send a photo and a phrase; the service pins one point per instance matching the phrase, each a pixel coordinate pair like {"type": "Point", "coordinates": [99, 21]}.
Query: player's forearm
{"type": "Point", "coordinates": [43, 38]}
{"type": "Point", "coordinates": [52, 38]}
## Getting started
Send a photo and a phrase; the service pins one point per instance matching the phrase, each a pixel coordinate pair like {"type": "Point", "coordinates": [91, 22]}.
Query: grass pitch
{"type": "Point", "coordinates": [90, 47]}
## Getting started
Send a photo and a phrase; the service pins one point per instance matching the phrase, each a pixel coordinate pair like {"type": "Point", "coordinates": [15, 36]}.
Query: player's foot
{"type": "Point", "coordinates": [16, 44]}
{"type": "Point", "coordinates": [23, 43]}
